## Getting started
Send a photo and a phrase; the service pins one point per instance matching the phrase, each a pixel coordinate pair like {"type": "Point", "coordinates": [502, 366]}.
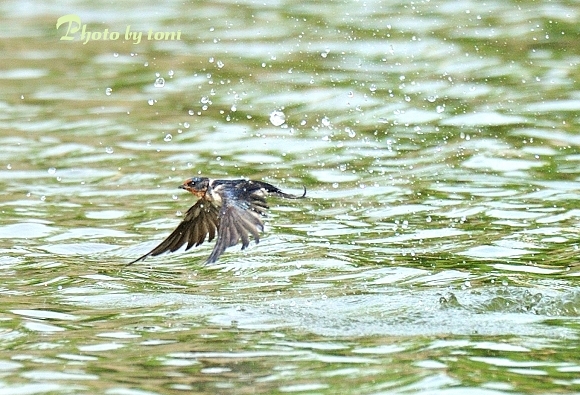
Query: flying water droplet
{"type": "Point", "coordinates": [277, 118]}
{"type": "Point", "coordinates": [159, 82]}
{"type": "Point", "coordinates": [108, 91]}
{"type": "Point", "coordinates": [109, 150]}
{"type": "Point", "coordinates": [51, 170]}
{"type": "Point", "coordinates": [168, 137]}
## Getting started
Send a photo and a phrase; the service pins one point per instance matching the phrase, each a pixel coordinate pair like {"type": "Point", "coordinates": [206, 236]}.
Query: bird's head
{"type": "Point", "coordinates": [196, 185]}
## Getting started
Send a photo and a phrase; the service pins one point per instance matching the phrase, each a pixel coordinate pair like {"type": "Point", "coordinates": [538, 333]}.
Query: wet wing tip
{"type": "Point", "coordinates": [137, 260]}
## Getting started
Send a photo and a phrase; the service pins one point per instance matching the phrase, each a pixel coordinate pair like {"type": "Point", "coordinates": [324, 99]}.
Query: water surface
{"type": "Point", "coordinates": [435, 252]}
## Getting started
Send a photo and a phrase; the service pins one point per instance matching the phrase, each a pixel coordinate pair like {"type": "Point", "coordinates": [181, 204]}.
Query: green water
{"type": "Point", "coordinates": [435, 253]}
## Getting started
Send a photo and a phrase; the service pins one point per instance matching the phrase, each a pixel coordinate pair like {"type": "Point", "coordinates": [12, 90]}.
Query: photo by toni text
{"type": "Point", "coordinates": [74, 29]}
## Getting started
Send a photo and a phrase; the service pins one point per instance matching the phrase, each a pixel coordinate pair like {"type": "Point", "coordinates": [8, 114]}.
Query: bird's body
{"type": "Point", "coordinates": [228, 209]}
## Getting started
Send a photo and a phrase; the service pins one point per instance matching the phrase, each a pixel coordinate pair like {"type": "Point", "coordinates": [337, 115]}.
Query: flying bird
{"type": "Point", "coordinates": [228, 209]}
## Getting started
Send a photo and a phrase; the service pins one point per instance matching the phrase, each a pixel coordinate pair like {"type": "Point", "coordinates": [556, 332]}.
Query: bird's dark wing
{"type": "Point", "coordinates": [200, 221]}
{"type": "Point", "coordinates": [243, 205]}
{"type": "Point", "coordinates": [239, 217]}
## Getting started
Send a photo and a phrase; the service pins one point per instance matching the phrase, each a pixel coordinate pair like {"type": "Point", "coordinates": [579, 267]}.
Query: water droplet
{"type": "Point", "coordinates": [204, 99]}
{"type": "Point", "coordinates": [335, 184]}
{"type": "Point", "coordinates": [43, 198]}
{"type": "Point", "coordinates": [159, 82]}
{"type": "Point", "coordinates": [277, 118]}
{"type": "Point", "coordinates": [350, 94]}
{"type": "Point", "coordinates": [405, 224]}
{"type": "Point", "coordinates": [440, 109]}
{"type": "Point", "coordinates": [234, 108]}
{"type": "Point", "coordinates": [211, 60]}
{"type": "Point", "coordinates": [51, 170]}
{"type": "Point", "coordinates": [191, 112]}
{"type": "Point", "coordinates": [325, 121]}
{"type": "Point", "coordinates": [174, 197]}
{"type": "Point", "coordinates": [168, 137]}
{"type": "Point", "coordinates": [351, 133]}
{"type": "Point", "coordinates": [9, 166]}
{"type": "Point", "coordinates": [170, 73]}
{"type": "Point", "coordinates": [109, 150]}
{"type": "Point", "coordinates": [186, 125]}
{"type": "Point", "coordinates": [150, 102]}
{"type": "Point", "coordinates": [428, 219]}
{"type": "Point", "coordinates": [220, 64]}
{"type": "Point", "coordinates": [373, 88]}
{"type": "Point", "coordinates": [116, 54]}
{"type": "Point", "coordinates": [431, 99]}
{"type": "Point", "coordinates": [342, 167]}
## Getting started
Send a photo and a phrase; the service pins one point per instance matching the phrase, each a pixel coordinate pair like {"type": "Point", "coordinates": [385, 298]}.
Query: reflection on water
{"type": "Point", "coordinates": [438, 238]}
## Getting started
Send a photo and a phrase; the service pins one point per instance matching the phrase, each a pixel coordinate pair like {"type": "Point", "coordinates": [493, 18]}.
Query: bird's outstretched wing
{"type": "Point", "coordinates": [200, 221]}
{"type": "Point", "coordinates": [242, 208]}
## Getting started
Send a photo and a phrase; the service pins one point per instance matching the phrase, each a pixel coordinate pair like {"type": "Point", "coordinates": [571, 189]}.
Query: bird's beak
{"type": "Point", "coordinates": [182, 186]}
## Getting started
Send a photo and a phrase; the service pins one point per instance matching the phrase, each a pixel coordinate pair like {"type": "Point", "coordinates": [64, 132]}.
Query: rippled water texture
{"type": "Point", "coordinates": [435, 253]}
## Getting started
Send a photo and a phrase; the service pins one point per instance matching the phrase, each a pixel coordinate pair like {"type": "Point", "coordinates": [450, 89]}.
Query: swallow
{"type": "Point", "coordinates": [230, 209]}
